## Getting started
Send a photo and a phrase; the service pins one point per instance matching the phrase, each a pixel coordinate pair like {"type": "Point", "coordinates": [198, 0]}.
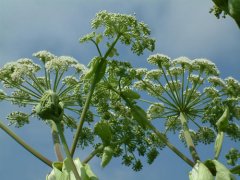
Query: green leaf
{"type": "Point", "coordinates": [234, 10]}
{"type": "Point", "coordinates": [235, 170]}
{"type": "Point", "coordinates": [200, 172]}
{"type": "Point", "coordinates": [128, 93]}
{"type": "Point", "coordinates": [222, 173]}
{"type": "Point", "coordinates": [107, 156]}
{"type": "Point", "coordinates": [99, 38]}
{"type": "Point", "coordinates": [139, 115]}
{"type": "Point", "coordinates": [93, 67]}
{"type": "Point", "coordinates": [63, 171]}
{"type": "Point", "coordinates": [103, 130]}
{"type": "Point", "coordinates": [218, 144]}
{"type": "Point", "coordinates": [222, 122]}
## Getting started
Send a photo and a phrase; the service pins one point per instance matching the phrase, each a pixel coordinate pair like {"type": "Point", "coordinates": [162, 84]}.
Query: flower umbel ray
{"type": "Point", "coordinates": [30, 89]}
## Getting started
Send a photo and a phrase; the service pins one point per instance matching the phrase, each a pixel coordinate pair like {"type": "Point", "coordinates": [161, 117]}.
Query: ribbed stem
{"type": "Point", "coordinates": [56, 142]}
{"type": "Point", "coordinates": [188, 138]}
{"type": "Point", "coordinates": [67, 152]}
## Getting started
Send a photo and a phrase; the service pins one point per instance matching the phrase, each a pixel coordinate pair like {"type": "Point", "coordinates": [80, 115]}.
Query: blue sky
{"type": "Point", "coordinates": [181, 28]}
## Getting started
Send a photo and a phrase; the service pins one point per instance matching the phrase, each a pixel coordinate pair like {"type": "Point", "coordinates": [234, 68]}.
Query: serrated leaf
{"type": "Point", "coordinates": [107, 156]}
{"type": "Point", "coordinates": [218, 144]}
{"type": "Point", "coordinates": [200, 172]}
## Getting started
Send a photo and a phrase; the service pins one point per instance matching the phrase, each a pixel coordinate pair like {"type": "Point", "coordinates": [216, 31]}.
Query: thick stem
{"type": "Point", "coordinates": [67, 152]}
{"type": "Point", "coordinates": [89, 97]}
{"type": "Point", "coordinates": [56, 142]}
{"type": "Point", "coordinates": [25, 145]}
{"type": "Point", "coordinates": [188, 138]}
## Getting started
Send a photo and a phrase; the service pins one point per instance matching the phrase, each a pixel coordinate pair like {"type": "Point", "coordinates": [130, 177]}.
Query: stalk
{"type": "Point", "coordinates": [25, 145]}
{"type": "Point", "coordinates": [67, 152]}
{"type": "Point", "coordinates": [56, 141]}
{"type": "Point", "coordinates": [171, 146]}
{"type": "Point", "coordinates": [89, 97]}
{"type": "Point", "coordinates": [92, 154]}
{"type": "Point", "coordinates": [188, 138]}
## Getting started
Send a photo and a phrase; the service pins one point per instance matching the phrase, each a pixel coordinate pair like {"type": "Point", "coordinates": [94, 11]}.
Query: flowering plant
{"type": "Point", "coordinates": [188, 98]}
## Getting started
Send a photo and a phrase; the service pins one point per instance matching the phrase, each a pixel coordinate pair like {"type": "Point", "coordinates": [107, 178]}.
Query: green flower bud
{"type": "Point", "coordinates": [107, 156]}
{"type": "Point", "coordinates": [218, 144]}
{"type": "Point", "coordinates": [222, 122]}
{"type": "Point", "coordinates": [49, 106]}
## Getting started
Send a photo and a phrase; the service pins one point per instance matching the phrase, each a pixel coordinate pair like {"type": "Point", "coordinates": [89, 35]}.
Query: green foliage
{"type": "Point", "coordinates": [188, 98]}
{"type": "Point", "coordinates": [227, 7]}
{"type": "Point", "coordinates": [62, 171]}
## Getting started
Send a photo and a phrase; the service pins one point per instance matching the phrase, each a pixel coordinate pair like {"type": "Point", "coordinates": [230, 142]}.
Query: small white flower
{"type": "Point", "coordinates": [183, 61]}
{"type": "Point", "coordinates": [61, 63]}
{"type": "Point", "coordinates": [155, 110]}
{"type": "Point", "coordinates": [159, 59]}
{"type": "Point", "coordinates": [216, 81]}
{"type": "Point", "coordinates": [44, 56]}
{"type": "Point", "coordinates": [140, 72]}
{"type": "Point", "coordinates": [211, 92]}
{"type": "Point", "coordinates": [176, 71]}
{"type": "Point", "coordinates": [205, 65]}
{"type": "Point", "coordinates": [195, 79]}
{"type": "Point", "coordinates": [153, 74]}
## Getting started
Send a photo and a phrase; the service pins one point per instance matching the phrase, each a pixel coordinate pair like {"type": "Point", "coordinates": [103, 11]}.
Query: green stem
{"type": "Point", "coordinates": [56, 141]}
{"type": "Point", "coordinates": [170, 146]}
{"type": "Point", "coordinates": [188, 138]}
{"type": "Point", "coordinates": [67, 152]}
{"type": "Point", "coordinates": [89, 97]}
{"type": "Point", "coordinates": [161, 136]}
{"type": "Point", "coordinates": [92, 154]}
{"type": "Point", "coordinates": [25, 145]}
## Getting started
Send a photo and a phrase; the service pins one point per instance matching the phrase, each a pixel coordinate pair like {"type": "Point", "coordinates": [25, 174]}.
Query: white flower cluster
{"type": "Point", "coordinates": [176, 71]}
{"type": "Point", "coordinates": [61, 63]}
{"type": "Point", "coordinates": [13, 73]}
{"type": "Point", "coordinates": [216, 81]}
{"type": "Point", "coordinates": [154, 74]}
{"type": "Point", "coordinates": [44, 56]}
{"type": "Point", "coordinates": [206, 66]}
{"type": "Point", "coordinates": [159, 59]}
{"type": "Point", "coordinates": [211, 92]}
{"type": "Point", "coordinates": [183, 61]}
{"type": "Point", "coordinates": [195, 79]}
{"type": "Point", "coordinates": [140, 72]}
{"type": "Point", "coordinates": [155, 110]}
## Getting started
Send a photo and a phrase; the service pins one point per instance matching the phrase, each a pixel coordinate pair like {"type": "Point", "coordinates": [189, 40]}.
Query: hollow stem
{"type": "Point", "coordinates": [188, 138]}
{"type": "Point", "coordinates": [67, 152]}
{"type": "Point", "coordinates": [25, 145]}
{"type": "Point", "coordinates": [56, 141]}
